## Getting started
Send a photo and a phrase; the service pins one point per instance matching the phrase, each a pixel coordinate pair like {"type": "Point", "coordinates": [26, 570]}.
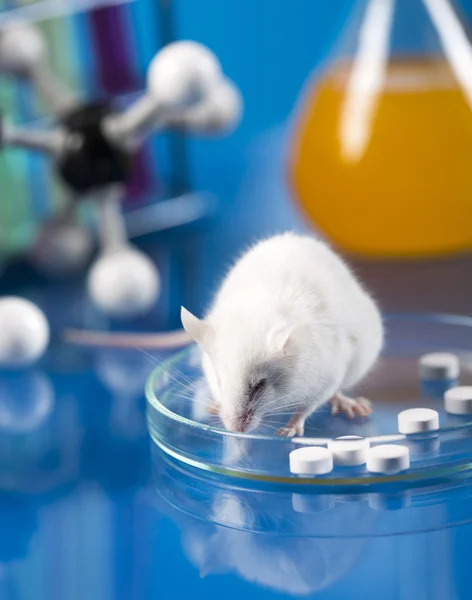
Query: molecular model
{"type": "Point", "coordinates": [91, 146]}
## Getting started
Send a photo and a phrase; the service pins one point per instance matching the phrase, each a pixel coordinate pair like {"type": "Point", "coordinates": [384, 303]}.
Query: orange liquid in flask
{"type": "Point", "coordinates": [388, 173]}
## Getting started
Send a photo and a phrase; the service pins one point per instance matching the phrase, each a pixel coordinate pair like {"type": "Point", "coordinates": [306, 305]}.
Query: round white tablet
{"type": "Point", "coordinates": [417, 420]}
{"type": "Point", "coordinates": [458, 400]}
{"type": "Point", "coordinates": [388, 458]}
{"type": "Point", "coordinates": [349, 450]}
{"type": "Point", "coordinates": [312, 460]}
{"type": "Point", "coordinates": [438, 366]}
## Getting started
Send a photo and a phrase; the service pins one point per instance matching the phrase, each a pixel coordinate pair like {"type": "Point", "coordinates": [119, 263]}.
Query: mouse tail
{"type": "Point", "coordinates": [153, 341]}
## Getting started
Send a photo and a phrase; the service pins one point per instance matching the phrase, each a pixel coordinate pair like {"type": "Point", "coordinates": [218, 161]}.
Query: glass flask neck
{"type": "Point", "coordinates": [404, 27]}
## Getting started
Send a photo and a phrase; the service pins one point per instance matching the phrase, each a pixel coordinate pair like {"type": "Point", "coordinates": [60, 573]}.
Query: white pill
{"type": "Point", "coordinates": [417, 420]}
{"type": "Point", "coordinates": [439, 366]}
{"type": "Point", "coordinates": [312, 460]}
{"type": "Point", "coordinates": [349, 450]}
{"type": "Point", "coordinates": [458, 400]}
{"type": "Point", "coordinates": [388, 458]}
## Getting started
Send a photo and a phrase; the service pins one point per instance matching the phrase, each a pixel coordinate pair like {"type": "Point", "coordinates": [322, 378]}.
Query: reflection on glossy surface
{"type": "Point", "coordinates": [232, 539]}
{"type": "Point", "coordinates": [298, 566]}
{"type": "Point", "coordinates": [389, 547]}
{"type": "Point", "coordinates": [26, 400]}
{"type": "Point", "coordinates": [124, 375]}
{"type": "Point", "coordinates": [83, 514]}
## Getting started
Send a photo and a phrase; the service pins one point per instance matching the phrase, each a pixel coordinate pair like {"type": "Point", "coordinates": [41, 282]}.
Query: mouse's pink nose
{"type": "Point", "coordinates": [240, 427]}
{"type": "Point", "coordinates": [236, 424]}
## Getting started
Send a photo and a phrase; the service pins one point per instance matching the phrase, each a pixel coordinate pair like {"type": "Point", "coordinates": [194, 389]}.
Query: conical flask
{"type": "Point", "coordinates": [381, 155]}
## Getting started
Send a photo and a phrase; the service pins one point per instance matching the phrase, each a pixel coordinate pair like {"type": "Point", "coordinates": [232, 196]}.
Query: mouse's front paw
{"type": "Point", "coordinates": [352, 407]}
{"type": "Point", "coordinates": [290, 431]}
{"type": "Point", "coordinates": [213, 409]}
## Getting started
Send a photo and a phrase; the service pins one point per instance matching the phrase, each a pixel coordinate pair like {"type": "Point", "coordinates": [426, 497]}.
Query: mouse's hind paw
{"type": "Point", "coordinates": [352, 407]}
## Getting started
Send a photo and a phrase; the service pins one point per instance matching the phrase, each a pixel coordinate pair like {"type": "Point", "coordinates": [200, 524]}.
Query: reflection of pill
{"type": "Point", "coordinates": [416, 420]}
{"type": "Point", "coordinates": [439, 365]}
{"type": "Point", "coordinates": [458, 400]}
{"type": "Point", "coordinates": [383, 502]}
{"type": "Point", "coordinates": [424, 445]}
{"type": "Point", "coordinates": [388, 458]}
{"type": "Point", "coordinates": [312, 460]}
{"type": "Point", "coordinates": [349, 450]}
{"type": "Point", "coordinates": [312, 503]}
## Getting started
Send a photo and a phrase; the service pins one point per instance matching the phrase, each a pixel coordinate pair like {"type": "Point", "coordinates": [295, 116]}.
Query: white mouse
{"type": "Point", "coordinates": [289, 330]}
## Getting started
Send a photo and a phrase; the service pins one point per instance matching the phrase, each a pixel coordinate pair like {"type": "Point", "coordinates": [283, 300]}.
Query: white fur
{"type": "Point", "coordinates": [292, 311]}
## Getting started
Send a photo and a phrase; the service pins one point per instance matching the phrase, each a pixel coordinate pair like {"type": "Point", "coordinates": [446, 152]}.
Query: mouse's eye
{"type": "Point", "coordinates": [256, 389]}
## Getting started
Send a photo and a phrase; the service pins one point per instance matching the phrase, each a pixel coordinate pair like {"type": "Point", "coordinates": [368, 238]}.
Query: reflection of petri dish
{"type": "Point", "coordinates": [393, 386]}
{"type": "Point", "coordinates": [299, 541]}
{"type": "Point", "coordinates": [308, 511]}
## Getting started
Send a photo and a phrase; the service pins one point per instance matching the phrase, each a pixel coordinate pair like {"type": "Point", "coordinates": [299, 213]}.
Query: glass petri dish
{"type": "Point", "coordinates": [179, 422]}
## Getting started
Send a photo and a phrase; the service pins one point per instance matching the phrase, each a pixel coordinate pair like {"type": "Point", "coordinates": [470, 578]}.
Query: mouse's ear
{"type": "Point", "coordinates": [288, 340]}
{"type": "Point", "coordinates": [197, 329]}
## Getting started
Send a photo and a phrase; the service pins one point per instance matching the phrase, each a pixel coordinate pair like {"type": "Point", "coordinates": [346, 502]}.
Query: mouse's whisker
{"type": "Point", "coordinates": [184, 388]}
{"type": "Point", "coordinates": [149, 356]}
{"type": "Point", "coordinates": [277, 408]}
{"type": "Point", "coordinates": [270, 430]}
{"type": "Point", "coordinates": [196, 401]}
{"type": "Point", "coordinates": [185, 384]}
{"type": "Point", "coordinates": [278, 378]}
{"type": "Point", "coordinates": [266, 430]}
{"type": "Point", "coordinates": [284, 409]}
{"type": "Point", "coordinates": [184, 393]}
{"type": "Point", "coordinates": [259, 398]}
{"type": "Point", "coordinates": [278, 399]}
{"type": "Point", "coordinates": [178, 375]}
{"type": "Point", "coordinates": [275, 400]}
{"type": "Point", "coordinates": [192, 400]}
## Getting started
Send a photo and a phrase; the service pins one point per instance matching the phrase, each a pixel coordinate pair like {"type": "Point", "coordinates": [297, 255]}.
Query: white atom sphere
{"type": "Point", "coordinates": [124, 284]}
{"type": "Point", "coordinates": [24, 332]}
{"type": "Point", "coordinates": [181, 73]}
{"type": "Point", "coordinates": [227, 105]}
{"type": "Point", "coordinates": [22, 48]}
{"type": "Point", "coordinates": [221, 110]}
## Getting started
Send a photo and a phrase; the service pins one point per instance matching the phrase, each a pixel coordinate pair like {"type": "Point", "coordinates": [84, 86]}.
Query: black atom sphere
{"type": "Point", "coordinates": [89, 161]}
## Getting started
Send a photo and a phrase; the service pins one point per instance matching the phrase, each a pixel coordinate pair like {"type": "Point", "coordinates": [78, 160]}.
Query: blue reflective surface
{"type": "Point", "coordinates": [89, 509]}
